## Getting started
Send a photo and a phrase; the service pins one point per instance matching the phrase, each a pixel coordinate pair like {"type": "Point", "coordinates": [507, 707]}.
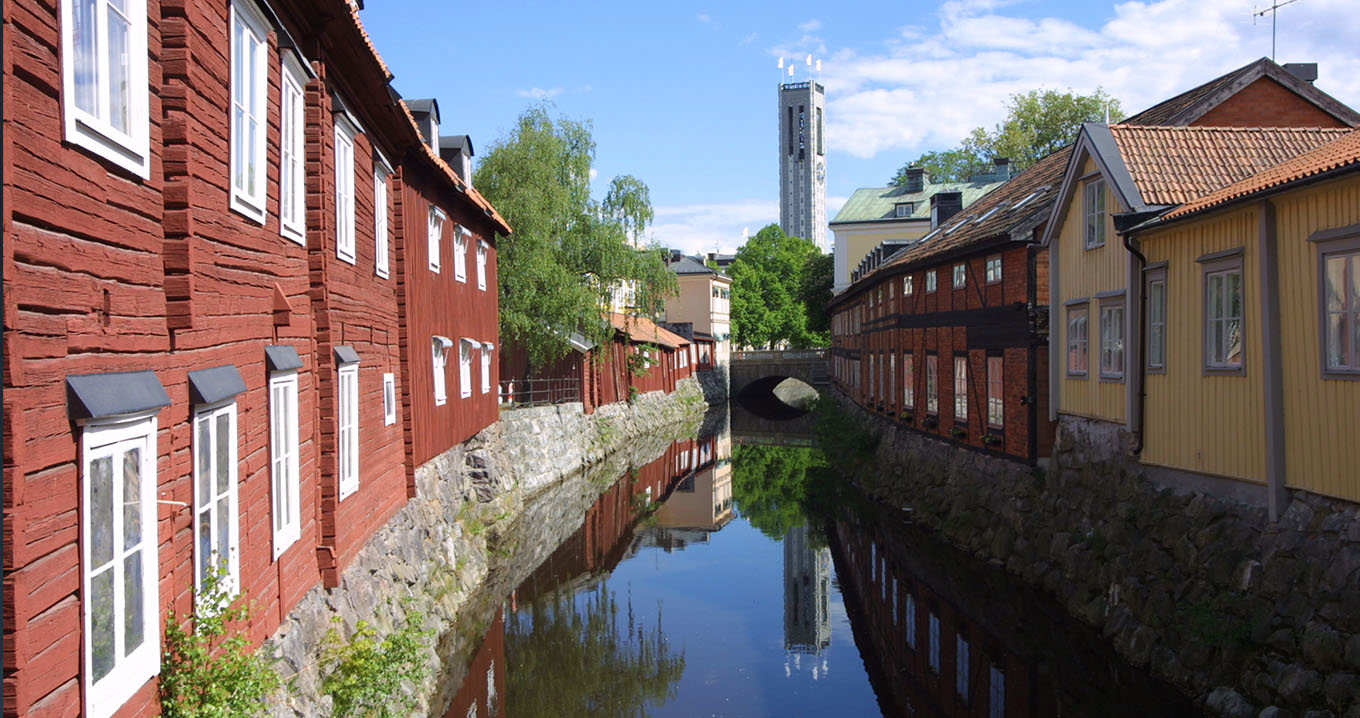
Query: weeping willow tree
{"type": "Point", "coordinates": [578, 656]}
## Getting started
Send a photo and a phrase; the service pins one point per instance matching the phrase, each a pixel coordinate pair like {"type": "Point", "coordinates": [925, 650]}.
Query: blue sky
{"type": "Point", "coordinates": [683, 95]}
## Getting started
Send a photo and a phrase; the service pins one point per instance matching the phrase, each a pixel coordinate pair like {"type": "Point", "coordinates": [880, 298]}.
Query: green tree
{"type": "Point", "coordinates": [1037, 123]}
{"type": "Point", "coordinates": [767, 281]}
{"type": "Point", "coordinates": [770, 485]}
{"type": "Point", "coordinates": [815, 293]}
{"type": "Point", "coordinates": [568, 251]}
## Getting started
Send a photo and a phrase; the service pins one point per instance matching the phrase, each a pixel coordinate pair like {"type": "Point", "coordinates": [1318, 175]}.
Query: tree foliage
{"type": "Point", "coordinates": [1037, 123]}
{"type": "Point", "coordinates": [767, 289]}
{"type": "Point", "coordinates": [770, 485]}
{"type": "Point", "coordinates": [815, 293]}
{"type": "Point", "coordinates": [568, 251]}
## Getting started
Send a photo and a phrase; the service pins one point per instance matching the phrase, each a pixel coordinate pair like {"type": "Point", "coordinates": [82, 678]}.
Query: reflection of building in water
{"type": "Point", "coordinates": [703, 498]}
{"type": "Point", "coordinates": [807, 594]}
{"type": "Point", "coordinates": [482, 694]}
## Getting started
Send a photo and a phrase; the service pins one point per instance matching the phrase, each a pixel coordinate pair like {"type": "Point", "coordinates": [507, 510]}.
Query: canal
{"type": "Point", "coordinates": [738, 575]}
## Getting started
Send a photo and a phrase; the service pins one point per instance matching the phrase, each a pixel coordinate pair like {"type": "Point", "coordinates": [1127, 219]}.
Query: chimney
{"type": "Point", "coordinates": [944, 205]}
{"type": "Point", "coordinates": [1003, 168]}
{"type": "Point", "coordinates": [1306, 71]}
{"type": "Point", "coordinates": [916, 179]}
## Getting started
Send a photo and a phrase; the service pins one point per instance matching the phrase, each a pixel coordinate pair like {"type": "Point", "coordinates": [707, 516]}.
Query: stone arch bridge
{"type": "Point", "coordinates": [762, 371]}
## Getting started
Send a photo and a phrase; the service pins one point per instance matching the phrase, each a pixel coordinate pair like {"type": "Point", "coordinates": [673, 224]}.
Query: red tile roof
{"type": "Point", "coordinates": [1339, 153]}
{"type": "Point", "coordinates": [642, 329]}
{"type": "Point", "coordinates": [1175, 165]}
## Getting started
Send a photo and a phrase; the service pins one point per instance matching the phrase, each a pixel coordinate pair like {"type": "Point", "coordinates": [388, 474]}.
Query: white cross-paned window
{"type": "Point", "coordinates": [283, 459]}
{"type": "Point", "coordinates": [908, 381]}
{"type": "Point", "coordinates": [1093, 215]}
{"type": "Point", "coordinates": [960, 389]}
{"type": "Point", "coordinates": [292, 176]}
{"type": "Point", "coordinates": [119, 563]}
{"type": "Point", "coordinates": [482, 248]}
{"type": "Point", "coordinates": [487, 348]}
{"type": "Point", "coordinates": [347, 439]}
{"type": "Point", "coordinates": [381, 266]}
{"type": "Point", "coordinates": [1223, 319]}
{"type": "Point", "coordinates": [389, 399]}
{"type": "Point", "coordinates": [996, 413]}
{"type": "Point", "coordinates": [465, 367]}
{"type": "Point", "coordinates": [434, 233]}
{"type": "Point", "coordinates": [932, 384]}
{"type": "Point", "coordinates": [104, 80]}
{"type": "Point", "coordinates": [249, 95]}
{"type": "Point", "coordinates": [1112, 340]}
{"type": "Point", "coordinates": [1341, 311]}
{"type": "Point", "coordinates": [1076, 340]}
{"type": "Point", "coordinates": [460, 248]}
{"type": "Point", "coordinates": [344, 192]}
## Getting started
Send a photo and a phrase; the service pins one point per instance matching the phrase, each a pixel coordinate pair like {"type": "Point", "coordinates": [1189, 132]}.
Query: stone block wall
{"type": "Point", "coordinates": [1246, 616]}
{"type": "Point", "coordinates": [434, 554]}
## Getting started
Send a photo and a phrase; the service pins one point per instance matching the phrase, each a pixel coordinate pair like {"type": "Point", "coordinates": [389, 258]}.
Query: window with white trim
{"type": "Point", "coordinates": [996, 411]}
{"type": "Point", "coordinates": [909, 614]}
{"type": "Point", "coordinates": [930, 281]}
{"type": "Point", "coordinates": [389, 399]}
{"type": "Point", "coordinates": [381, 266]}
{"type": "Point", "coordinates": [104, 80]}
{"type": "Point", "coordinates": [1093, 214]}
{"type": "Point", "coordinates": [120, 569]}
{"type": "Point", "coordinates": [460, 247]}
{"type": "Point", "coordinates": [1156, 319]}
{"type": "Point", "coordinates": [907, 287]}
{"type": "Point", "coordinates": [434, 233]}
{"type": "Point", "coordinates": [960, 388]}
{"type": "Point", "coordinates": [1077, 319]}
{"type": "Point", "coordinates": [283, 459]}
{"type": "Point", "coordinates": [961, 661]}
{"type": "Point", "coordinates": [908, 381]}
{"type": "Point", "coordinates": [994, 269]}
{"type": "Point", "coordinates": [344, 190]}
{"type": "Point", "coordinates": [934, 654]}
{"type": "Point", "coordinates": [1112, 338]}
{"type": "Point", "coordinates": [482, 248]}
{"type": "Point", "coordinates": [465, 367]}
{"type": "Point", "coordinates": [1341, 311]}
{"type": "Point", "coordinates": [1223, 323]}
{"type": "Point", "coordinates": [996, 701]}
{"type": "Point", "coordinates": [439, 349]}
{"type": "Point", "coordinates": [486, 367]}
{"type": "Point", "coordinates": [292, 175]}
{"type": "Point", "coordinates": [932, 384]}
{"type": "Point", "coordinates": [960, 275]}
{"type": "Point", "coordinates": [216, 509]}
{"type": "Point", "coordinates": [249, 95]}
{"type": "Point", "coordinates": [347, 438]}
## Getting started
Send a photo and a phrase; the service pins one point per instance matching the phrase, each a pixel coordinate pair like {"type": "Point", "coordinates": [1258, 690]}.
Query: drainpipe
{"type": "Point", "coordinates": [1140, 375]}
{"type": "Point", "coordinates": [1277, 495]}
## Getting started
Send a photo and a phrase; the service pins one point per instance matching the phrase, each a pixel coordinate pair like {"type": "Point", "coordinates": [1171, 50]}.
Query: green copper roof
{"type": "Point", "coordinates": [874, 204]}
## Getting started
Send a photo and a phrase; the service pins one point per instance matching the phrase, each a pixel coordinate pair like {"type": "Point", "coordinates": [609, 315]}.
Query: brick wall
{"type": "Point", "coordinates": [1266, 103]}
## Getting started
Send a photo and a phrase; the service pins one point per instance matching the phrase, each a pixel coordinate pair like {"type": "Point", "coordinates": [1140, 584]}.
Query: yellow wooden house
{"type": "Point", "coordinates": [1206, 312]}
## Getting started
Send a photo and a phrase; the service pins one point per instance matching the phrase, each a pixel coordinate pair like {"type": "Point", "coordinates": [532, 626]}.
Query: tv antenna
{"type": "Point", "coordinates": [1274, 11]}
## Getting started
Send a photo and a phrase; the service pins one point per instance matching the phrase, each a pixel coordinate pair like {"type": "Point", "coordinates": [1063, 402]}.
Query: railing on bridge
{"type": "Point", "coordinates": [778, 354]}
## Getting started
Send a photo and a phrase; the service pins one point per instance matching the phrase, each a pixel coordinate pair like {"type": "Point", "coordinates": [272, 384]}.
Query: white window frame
{"type": "Point", "coordinates": [389, 398]}
{"type": "Point", "coordinates": [487, 349]}
{"type": "Point", "coordinates": [996, 387]}
{"type": "Point", "coordinates": [292, 160]}
{"type": "Point", "coordinates": [249, 189]}
{"type": "Point", "coordinates": [960, 388]}
{"type": "Point", "coordinates": [960, 275]}
{"type": "Point", "coordinates": [1077, 334]}
{"type": "Point", "coordinates": [1155, 290]}
{"type": "Point", "coordinates": [1112, 333]}
{"type": "Point", "coordinates": [434, 236]}
{"type": "Point", "coordinates": [347, 429]}
{"type": "Point", "coordinates": [907, 286]}
{"type": "Point", "coordinates": [111, 438]}
{"type": "Point", "coordinates": [285, 489]}
{"type": "Point", "coordinates": [1093, 214]}
{"type": "Point", "coordinates": [465, 348]}
{"type": "Point", "coordinates": [994, 269]}
{"type": "Point", "coordinates": [93, 129]}
{"type": "Point", "coordinates": [1339, 304]}
{"type": "Point", "coordinates": [439, 353]}
{"type": "Point", "coordinates": [381, 241]}
{"type": "Point", "coordinates": [909, 615]}
{"type": "Point", "coordinates": [932, 283]}
{"type": "Point", "coordinates": [212, 510]}
{"type": "Point", "coordinates": [482, 251]}
{"type": "Point", "coordinates": [460, 247]}
{"type": "Point", "coordinates": [932, 383]}
{"type": "Point", "coordinates": [1221, 270]}
{"type": "Point", "coordinates": [344, 189]}
{"type": "Point", "coordinates": [908, 381]}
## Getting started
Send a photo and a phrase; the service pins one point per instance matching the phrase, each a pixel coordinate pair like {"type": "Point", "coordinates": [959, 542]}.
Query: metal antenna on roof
{"type": "Point", "coordinates": [1274, 13]}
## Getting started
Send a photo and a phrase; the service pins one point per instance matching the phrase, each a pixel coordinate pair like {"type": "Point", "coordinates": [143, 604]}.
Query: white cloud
{"type": "Point", "coordinates": [750, 38]}
{"type": "Point", "coordinates": [593, 174]}
{"type": "Point", "coordinates": [705, 19]}
{"type": "Point", "coordinates": [698, 228]}
{"type": "Point", "coordinates": [812, 25]}
{"type": "Point", "coordinates": [538, 93]}
{"type": "Point", "coordinates": [929, 85]}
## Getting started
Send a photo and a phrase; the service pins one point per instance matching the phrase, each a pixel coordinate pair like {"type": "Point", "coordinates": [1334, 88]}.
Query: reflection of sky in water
{"type": "Point", "coordinates": [722, 605]}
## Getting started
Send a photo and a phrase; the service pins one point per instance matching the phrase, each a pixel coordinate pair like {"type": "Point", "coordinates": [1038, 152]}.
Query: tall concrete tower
{"type": "Point", "coordinates": [802, 161]}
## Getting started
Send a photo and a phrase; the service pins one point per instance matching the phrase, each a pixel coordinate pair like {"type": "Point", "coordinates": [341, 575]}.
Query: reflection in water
{"type": "Point", "coordinates": [578, 655]}
{"type": "Point", "coordinates": [701, 531]}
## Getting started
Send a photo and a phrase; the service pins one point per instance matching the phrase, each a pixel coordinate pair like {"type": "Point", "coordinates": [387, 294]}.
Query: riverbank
{"type": "Point", "coordinates": [436, 552]}
{"type": "Point", "coordinates": [1248, 618]}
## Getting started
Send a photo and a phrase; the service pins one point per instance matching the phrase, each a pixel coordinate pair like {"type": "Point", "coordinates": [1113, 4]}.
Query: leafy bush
{"type": "Point", "coordinates": [368, 677]}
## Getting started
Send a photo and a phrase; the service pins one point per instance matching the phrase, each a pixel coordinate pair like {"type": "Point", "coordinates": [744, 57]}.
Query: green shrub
{"type": "Point", "coordinates": [368, 677]}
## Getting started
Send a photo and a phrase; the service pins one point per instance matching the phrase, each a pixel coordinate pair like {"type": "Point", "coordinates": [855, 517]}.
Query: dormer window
{"type": "Point", "coordinates": [903, 209]}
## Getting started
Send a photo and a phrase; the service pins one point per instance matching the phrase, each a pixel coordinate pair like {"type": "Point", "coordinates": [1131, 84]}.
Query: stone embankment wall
{"type": "Point", "coordinates": [437, 552]}
{"type": "Point", "coordinates": [716, 383]}
{"type": "Point", "coordinates": [1250, 618]}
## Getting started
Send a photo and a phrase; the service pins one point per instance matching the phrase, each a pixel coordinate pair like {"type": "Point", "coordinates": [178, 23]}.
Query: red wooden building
{"type": "Point", "coordinates": [205, 323]}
